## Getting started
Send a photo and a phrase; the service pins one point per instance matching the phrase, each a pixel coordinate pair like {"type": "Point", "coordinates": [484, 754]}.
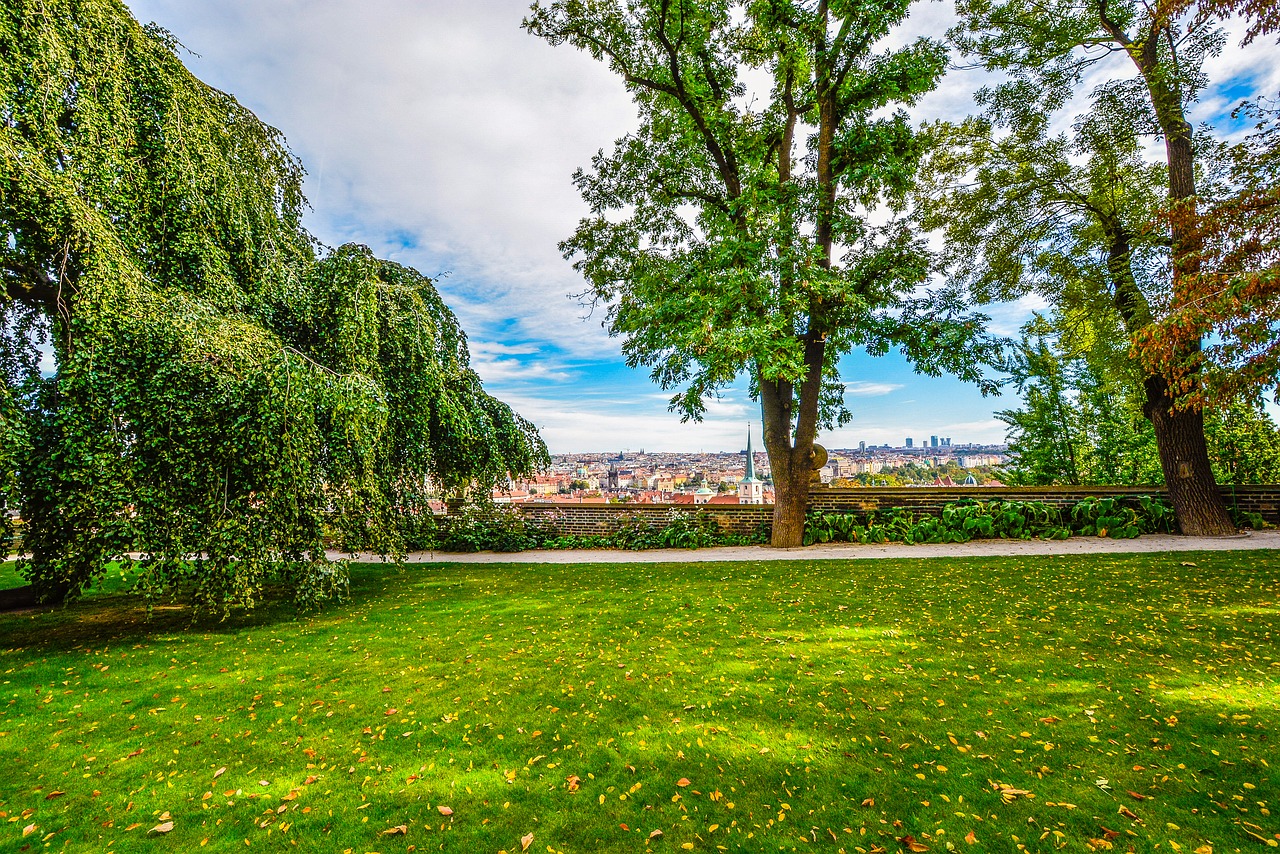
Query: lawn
{"type": "Point", "coordinates": [1110, 701]}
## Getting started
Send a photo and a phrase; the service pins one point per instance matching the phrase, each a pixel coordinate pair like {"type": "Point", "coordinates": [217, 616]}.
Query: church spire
{"type": "Point", "coordinates": [751, 458]}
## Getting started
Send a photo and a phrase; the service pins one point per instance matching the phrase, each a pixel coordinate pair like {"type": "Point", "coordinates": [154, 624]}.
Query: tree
{"type": "Point", "coordinates": [1234, 301]}
{"type": "Point", "coordinates": [224, 389]}
{"type": "Point", "coordinates": [1077, 424]}
{"type": "Point", "coordinates": [1046, 49]}
{"type": "Point", "coordinates": [719, 247]}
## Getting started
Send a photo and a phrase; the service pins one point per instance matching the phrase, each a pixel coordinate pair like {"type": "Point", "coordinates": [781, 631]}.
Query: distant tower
{"type": "Point", "coordinates": [862, 447]}
{"type": "Point", "coordinates": [750, 488]}
{"type": "Point", "coordinates": [933, 441]}
{"type": "Point", "coordinates": [908, 441]}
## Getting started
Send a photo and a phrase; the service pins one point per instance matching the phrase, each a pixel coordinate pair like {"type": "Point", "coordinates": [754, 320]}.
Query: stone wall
{"type": "Point", "coordinates": [599, 519]}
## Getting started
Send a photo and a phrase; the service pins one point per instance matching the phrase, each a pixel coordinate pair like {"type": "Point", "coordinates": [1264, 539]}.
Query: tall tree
{"type": "Point", "coordinates": [223, 389]}
{"type": "Point", "coordinates": [1234, 302]}
{"type": "Point", "coordinates": [1046, 49]}
{"type": "Point", "coordinates": [720, 247]}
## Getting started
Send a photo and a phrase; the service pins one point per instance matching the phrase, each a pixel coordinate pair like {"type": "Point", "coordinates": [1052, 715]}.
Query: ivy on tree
{"type": "Point", "coordinates": [224, 390]}
{"type": "Point", "coordinates": [730, 232]}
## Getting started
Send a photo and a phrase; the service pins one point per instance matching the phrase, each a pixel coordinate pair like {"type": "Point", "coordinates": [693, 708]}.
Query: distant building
{"type": "Point", "coordinates": [909, 442]}
{"type": "Point", "coordinates": [933, 441]}
{"type": "Point", "coordinates": [750, 488]}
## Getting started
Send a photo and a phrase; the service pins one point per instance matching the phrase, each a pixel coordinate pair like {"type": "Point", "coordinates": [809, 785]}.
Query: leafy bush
{"type": "Point", "coordinates": [973, 520]}
{"type": "Point", "coordinates": [1248, 519]}
{"type": "Point", "coordinates": [488, 527]}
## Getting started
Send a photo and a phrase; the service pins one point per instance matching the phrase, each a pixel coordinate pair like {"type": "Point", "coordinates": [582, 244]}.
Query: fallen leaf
{"type": "Point", "coordinates": [682, 782]}
{"type": "Point", "coordinates": [1137, 796]}
{"type": "Point", "coordinates": [444, 810]}
{"type": "Point", "coordinates": [163, 827]}
{"type": "Point", "coordinates": [909, 842]}
{"type": "Point", "coordinates": [311, 778]}
{"type": "Point", "coordinates": [28, 830]}
{"type": "Point", "coordinates": [868, 802]}
{"type": "Point", "coordinates": [137, 752]}
{"type": "Point", "coordinates": [54, 794]}
{"type": "Point", "coordinates": [656, 834]}
{"type": "Point", "coordinates": [398, 830]}
{"type": "Point", "coordinates": [1128, 813]}
{"type": "Point", "coordinates": [389, 712]}
{"type": "Point", "coordinates": [574, 782]}
{"type": "Point", "coordinates": [219, 772]}
{"type": "Point", "coordinates": [526, 841]}
{"type": "Point", "coordinates": [1050, 720]}
{"type": "Point", "coordinates": [969, 838]}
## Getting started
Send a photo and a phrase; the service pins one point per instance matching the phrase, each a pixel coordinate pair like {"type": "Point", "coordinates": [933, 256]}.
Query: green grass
{"type": "Point", "coordinates": [810, 706]}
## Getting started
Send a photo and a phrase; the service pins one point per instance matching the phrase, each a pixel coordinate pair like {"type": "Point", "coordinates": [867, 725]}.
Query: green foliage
{"type": "Point", "coordinates": [1244, 443]}
{"type": "Point", "coordinates": [733, 234]}
{"type": "Point", "coordinates": [967, 520]}
{"type": "Point", "coordinates": [1118, 519]}
{"type": "Point", "coordinates": [224, 388]}
{"type": "Point", "coordinates": [479, 527]}
{"type": "Point", "coordinates": [1077, 425]}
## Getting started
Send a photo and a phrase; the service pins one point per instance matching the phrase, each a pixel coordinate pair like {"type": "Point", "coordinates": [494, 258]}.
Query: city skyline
{"type": "Point", "coordinates": [444, 137]}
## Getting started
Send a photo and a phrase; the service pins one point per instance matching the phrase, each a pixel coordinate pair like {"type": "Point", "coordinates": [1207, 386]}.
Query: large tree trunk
{"type": "Point", "coordinates": [791, 502]}
{"type": "Point", "coordinates": [1184, 458]}
{"type": "Point", "coordinates": [790, 455]}
{"type": "Point", "coordinates": [1193, 490]}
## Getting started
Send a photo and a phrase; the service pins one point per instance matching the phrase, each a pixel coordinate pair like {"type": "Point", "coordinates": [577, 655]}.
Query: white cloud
{"type": "Point", "coordinates": [568, 427]}
{"type": "Point", "coordinates": [492, 348]}
{"type": "Point", "coordinates": [443, 136]}
{"type": "Point", "coordinates": [863, 388]}
{"type": "Point", "coordinates": [498, 371]}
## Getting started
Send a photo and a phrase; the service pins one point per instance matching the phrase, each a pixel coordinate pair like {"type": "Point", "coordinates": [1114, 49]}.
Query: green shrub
{"type": "Point", "coordinates": [971, 519]}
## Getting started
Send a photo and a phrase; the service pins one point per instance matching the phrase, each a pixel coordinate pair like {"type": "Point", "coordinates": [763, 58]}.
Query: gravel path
{"type": "Point", "coordinates": [849, 551]}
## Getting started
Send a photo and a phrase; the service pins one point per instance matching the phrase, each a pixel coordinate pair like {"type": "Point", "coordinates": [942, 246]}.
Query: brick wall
{"type": "Point", "coordinates": [600, 519]}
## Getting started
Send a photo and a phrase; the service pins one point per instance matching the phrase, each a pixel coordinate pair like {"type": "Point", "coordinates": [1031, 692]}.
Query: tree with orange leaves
{"type": "Point", "coordinates": [1046, 47]}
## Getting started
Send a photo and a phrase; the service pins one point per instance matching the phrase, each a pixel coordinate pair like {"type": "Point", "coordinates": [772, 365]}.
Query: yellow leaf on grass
{"type": "Point", "coordinates": [163, 827]}
{"type": "Point", "coordinates": [398, 830]}
{"type": "Point", "coordinates": [526, 841]}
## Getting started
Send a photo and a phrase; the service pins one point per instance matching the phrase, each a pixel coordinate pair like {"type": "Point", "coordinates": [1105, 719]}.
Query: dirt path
{"type": "Point", "coordinates": [846, 551]}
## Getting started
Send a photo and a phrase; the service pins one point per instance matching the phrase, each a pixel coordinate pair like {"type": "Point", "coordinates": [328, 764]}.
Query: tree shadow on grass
{"type": "Point", "coordinates": [114, 613]}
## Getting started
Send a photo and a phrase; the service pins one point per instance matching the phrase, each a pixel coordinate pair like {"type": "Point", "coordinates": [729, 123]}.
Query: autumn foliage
{"type": "Point", "coordinates": [1233, 304]}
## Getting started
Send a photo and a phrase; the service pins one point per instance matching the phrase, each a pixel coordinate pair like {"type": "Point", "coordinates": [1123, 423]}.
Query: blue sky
{"type": "Point", "coordinates": [444, 137]}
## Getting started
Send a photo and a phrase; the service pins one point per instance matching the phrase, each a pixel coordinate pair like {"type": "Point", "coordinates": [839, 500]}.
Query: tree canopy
{"type": "Point", "coordinates": [1046, 50]}
{"type": "Point", "coordinates": [223, 390]}
{"type": "Point", "coordinates": [733, 232]}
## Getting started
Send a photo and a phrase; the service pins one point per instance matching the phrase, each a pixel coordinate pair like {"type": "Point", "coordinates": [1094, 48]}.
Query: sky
{"type": "Point", "coordinates": [444, 137]}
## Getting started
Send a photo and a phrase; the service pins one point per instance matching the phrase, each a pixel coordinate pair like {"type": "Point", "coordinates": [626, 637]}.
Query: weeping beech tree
{"type": "Point", "coordinates": [223, 390]}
